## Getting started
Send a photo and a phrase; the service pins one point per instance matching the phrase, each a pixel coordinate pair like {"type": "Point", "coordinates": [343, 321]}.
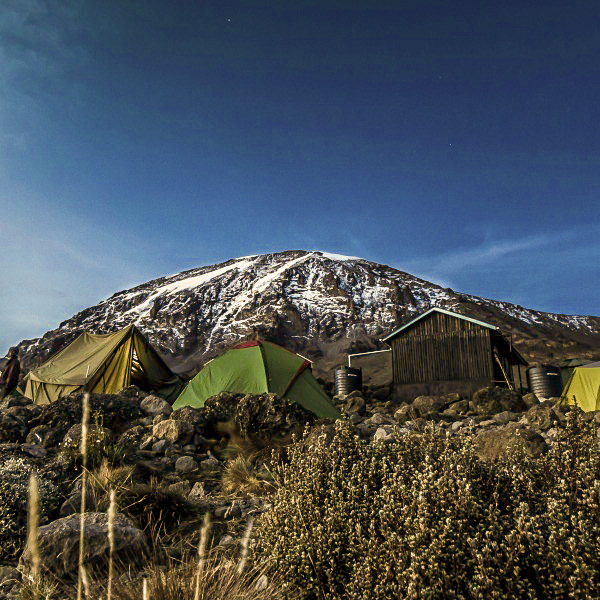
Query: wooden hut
{"type": "Point", "coordinates": [440, 346]}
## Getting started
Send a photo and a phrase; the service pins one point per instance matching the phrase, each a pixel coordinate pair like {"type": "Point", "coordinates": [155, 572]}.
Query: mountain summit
{"type": "Point", "coordinates": [317, 303]}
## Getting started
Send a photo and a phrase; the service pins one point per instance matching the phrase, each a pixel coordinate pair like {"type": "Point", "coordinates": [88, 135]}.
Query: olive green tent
{"type": "Point", "coordinates": [583, 388]}
{"type": "Point", "coordinates": [103, 364]}
{"type": "Point", "coordinates": [258, 367]}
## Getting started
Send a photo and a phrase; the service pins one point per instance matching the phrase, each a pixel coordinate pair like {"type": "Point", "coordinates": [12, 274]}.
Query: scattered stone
{"type": "Point", "coordinates": [153, 405]}
{"type": "Point", "coordinates": [58, 544]}
{"type": "Point", "coordinates": [180, 487]}
{"type": "Point", "coordinates": [226, 540]}
{"type": "Point", "coordinates": [173, 431]}
{"type": "Point", "coordinates": [147, 443]}
{"type": "Point", "coordinates": [530, 400]}
{"type": "Point", "coordinates": [380, 419]}
{"type": "Point", "coordinates": [457, 408]}
{"type": "Point", "coordinates": [209, 464]}
{"type": "Point", "coordinates": [160, 446]}
{"type": "Point", "coordinates": [261, 583]}
{"type": "Point", "coordinates": [34, 450]}
{"type": "Point", "coordinates": [197, 493]}
{"type": "Point", "coordinates": [132, 438]}
{"type": "Point", "coordinates": [506, 417]}
{"type": "Point", "coordinates": [355, 404]}
{"type": "Point", "coordinates": [383, 435]}
{"type": "Point", "coordinates": [185, 464]}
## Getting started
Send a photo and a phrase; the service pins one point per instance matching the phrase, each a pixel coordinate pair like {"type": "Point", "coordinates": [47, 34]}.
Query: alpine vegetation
{"type": "Point", "coordinates": [425, 517]}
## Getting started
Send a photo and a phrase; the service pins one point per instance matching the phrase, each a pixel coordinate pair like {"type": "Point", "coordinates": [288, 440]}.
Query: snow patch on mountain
{"type": "Point", "coordinates": [313, 301]}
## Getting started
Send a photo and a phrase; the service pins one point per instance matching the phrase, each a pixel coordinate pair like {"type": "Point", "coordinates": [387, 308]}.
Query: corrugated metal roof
{"type": "Point", "coordinates": [439, 310]}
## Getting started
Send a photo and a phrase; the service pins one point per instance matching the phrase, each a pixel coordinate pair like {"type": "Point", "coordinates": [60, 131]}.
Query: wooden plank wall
{"type": "Point", "coordinates": [442, 348]}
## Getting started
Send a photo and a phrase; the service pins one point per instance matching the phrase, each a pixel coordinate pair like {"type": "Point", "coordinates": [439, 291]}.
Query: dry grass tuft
{"type": "Point", "coordinates": [220, 581]}
{"type": "Point", "coordinates": [242, 477]}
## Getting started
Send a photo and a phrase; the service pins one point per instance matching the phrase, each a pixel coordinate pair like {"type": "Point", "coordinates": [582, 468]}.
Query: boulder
{"type": "Point", "coordinates": [153, 405]}
{"type": "Point", "coordinates": [174, 431]}
{"type": "Point", "coordinates": [545, 416]}
{"type": "Point", "coordinates": [428, 405]}
{"type": "Point", "coordinates": [58, 544]}
{"type": "Point", "coordinates": [492, 400]}
{"type": "Point", "coordinates": [456, 408]}
{"type": "Point", "coordinates": [405, 413]}
{"type": "Point", "coordinates": [494, 443]}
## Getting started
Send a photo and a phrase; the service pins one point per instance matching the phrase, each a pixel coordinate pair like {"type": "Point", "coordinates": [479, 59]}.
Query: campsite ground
{"type": "Point", "coordinates": [491, 496]}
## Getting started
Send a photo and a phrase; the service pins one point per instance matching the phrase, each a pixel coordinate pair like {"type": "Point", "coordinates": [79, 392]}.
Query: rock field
{"type": "Point", "coordinates": [169, 468]}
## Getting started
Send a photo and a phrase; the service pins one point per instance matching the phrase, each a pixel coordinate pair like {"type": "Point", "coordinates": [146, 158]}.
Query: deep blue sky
{"type": "Point", "coordinates": [456, 140]}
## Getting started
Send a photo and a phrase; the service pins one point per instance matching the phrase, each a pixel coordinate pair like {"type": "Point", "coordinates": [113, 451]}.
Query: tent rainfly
{"type": "Point", "coordinates": [257, 367]}
{"type": "Point", "coordinates": [103, 364]}
{"type": "Point", "coordinates": [583, 387]}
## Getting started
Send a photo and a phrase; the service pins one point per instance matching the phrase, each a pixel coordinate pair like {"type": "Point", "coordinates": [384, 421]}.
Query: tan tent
{"type": "Point", "coordinates": [103, 364]}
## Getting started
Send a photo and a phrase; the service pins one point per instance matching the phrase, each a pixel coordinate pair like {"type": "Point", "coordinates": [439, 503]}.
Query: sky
{"type": "Point", "coordinates": [457, 141]}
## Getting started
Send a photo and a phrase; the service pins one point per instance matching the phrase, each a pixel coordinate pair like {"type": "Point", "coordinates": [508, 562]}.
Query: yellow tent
{"type": "Point", "coordinates": [583, 387]}
{"type": "Point", "coordinates": [103, 364]}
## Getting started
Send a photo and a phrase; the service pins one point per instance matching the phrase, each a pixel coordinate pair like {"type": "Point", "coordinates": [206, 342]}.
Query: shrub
{"type": "Point", "coordinates": [423, 517]}
{"type": "Point", "coordinates": [100, 448]}
{"type": "Point", "coordinates": [14, 488]}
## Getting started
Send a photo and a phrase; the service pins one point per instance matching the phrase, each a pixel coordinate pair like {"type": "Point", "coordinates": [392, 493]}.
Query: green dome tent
{"type": "Point", "coordinates": [258, 367]}
{"type": "Point", "coordinates": [583, 387]}
{"type": "Point", "coordinates": [103, 364]}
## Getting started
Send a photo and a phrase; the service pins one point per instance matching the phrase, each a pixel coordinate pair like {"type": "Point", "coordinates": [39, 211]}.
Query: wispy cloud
{"type": "Point", "coordinates": [55, 263]}
{"type": "Point", "coordinates": [444, 267]}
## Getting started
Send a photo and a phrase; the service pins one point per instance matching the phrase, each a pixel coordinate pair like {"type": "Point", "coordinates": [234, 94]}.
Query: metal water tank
{"type": "Point", "coordinates": [545, 381]}
{"type": "Point", "coordinates": [347, 379]}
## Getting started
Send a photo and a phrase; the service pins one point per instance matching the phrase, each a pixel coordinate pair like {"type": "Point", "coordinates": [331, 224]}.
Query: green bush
{"type": "Point", "coordinates": [14, 492]}
{"type": "Point", "coordinates": [423, 517]}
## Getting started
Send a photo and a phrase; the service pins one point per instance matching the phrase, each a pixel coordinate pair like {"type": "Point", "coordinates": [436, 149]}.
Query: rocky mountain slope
{"type": "Point", "coordinates": [322, 305]}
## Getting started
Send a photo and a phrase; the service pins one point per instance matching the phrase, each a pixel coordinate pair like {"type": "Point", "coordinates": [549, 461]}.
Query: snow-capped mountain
{"type": "Point", "coordinates": [320, 304]}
